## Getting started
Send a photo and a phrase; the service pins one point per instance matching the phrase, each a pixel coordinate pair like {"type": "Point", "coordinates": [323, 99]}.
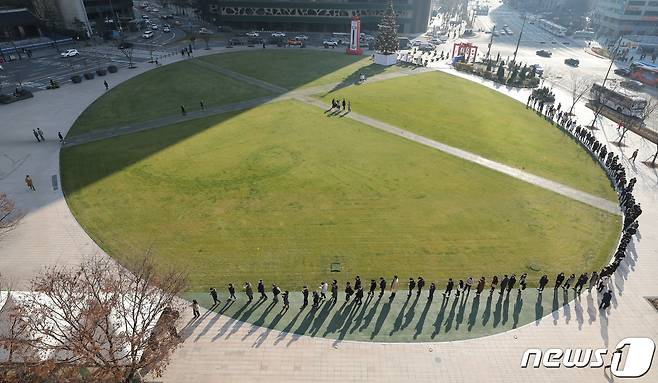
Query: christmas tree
{"type": "Point", "coordinates": [387, 38]}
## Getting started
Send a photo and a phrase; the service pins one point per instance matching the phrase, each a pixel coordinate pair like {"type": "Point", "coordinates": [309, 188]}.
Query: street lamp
{"type": "Point", "coordinates": [519, 40]}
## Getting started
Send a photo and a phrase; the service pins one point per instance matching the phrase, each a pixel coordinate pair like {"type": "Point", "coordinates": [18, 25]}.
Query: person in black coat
{"type": "Point", "coordinates": [213, 294]}
{"type": "Point", "coordinates": [261, 289]}
{"type": "Point", "coordinates": [358, 297]}
{"type": "Point", "coordinates": [373, 287]}
{"type": "Point", "coordinates": [449, 286]}
{"type": "Point", "coordinates": [543, 281]}
{"type": "Point", "coordinates": [357, 283]}
{"type": "Point", "coordinates": [558, 281]}
{"type": "Point", "coordinates": [382, 286]}
{"type": "Point", "coordinates": [334, 290]}
{"type": "Point", "coordinates": [412, 286]}
{"type": "Point", "coordinates": [419, 286]}
{"type": "Point", "coordinates": [305, 294]}
{"type": "Point", "coordinates": [348, 292]}
{"type": "Point", "coordinates": [503, 284]}
{"type": "Point", "coordinates": [605, 302]}
{"type": "Point", "coordinates": [511, 283]}
{"type": "Point", "coordinates": [432, 288]}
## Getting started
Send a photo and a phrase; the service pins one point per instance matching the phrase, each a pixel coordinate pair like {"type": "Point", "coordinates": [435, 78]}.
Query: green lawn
{"type": "Point", "coordinates": [471, 117]}
{"type": "Point", "coordinates": [161, 92]}
{"type": "Point", "coordinates": [294, 67]}
{"type": "Point", "coordinates": [282, 191]}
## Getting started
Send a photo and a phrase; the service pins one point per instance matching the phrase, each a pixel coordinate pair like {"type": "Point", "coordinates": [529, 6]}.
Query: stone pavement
{"type": "Point", "coordinates": [219, 348]}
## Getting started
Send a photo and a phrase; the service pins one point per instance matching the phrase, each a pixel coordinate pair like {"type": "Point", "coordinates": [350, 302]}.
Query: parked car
{"type": "Point", "coordinates": [205, 31]}
{"type": "Point", "coordinates": [235, 41]}
{"type": "Point", "coordinates": [427, 47]}
{"type": "Point", "coordinates": [278, 34]}
{"type": "Point", "coordinates": [178, 23]}
{"type": "Point", "coordinates": [145, 16]}
{"type": "Point", "coordinates": [632, 85]}
{"type": "Point", "coordinates": [147, 34]}
{"type": "Point", "coordinates": [294, 42]}
{"type": "Point", "coordinates": [416, 43]}
{"type": "Point", "coordinates": [154, 27]}
{"type": "Point", "coordinates": [572, 62]}
{"type": "Point", "coordinates": [301, 37]}
{"type": "Point", "coordinates": [252, 34]}
{"type": "Point", "coordinates": [70, 53]}
{"type": "Point", "coordinates": [624, 72]}
{"type": "Point", "coordinates": [156, 10]}
{"type": "Point", "coordinates": [166, 29]}
{"type": "Point", "coordinates": [330, 43]}
{"type": "Point", "coordinates": [544, 53]}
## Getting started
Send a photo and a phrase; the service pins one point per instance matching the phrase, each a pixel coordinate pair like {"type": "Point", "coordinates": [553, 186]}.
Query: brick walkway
{"type": "Point", "coordinates": [219, 348]}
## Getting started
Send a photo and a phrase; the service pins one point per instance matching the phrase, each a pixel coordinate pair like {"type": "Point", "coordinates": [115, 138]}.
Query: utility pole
{"type": "Point", "coordinates": [599, 107]}
{"type": "Point", "coordinates": [519, 40]}
{"type": "Point", "coordinates": [490, 42]}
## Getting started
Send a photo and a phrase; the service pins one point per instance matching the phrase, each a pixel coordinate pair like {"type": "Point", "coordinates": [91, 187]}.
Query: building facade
{"type": "Point", "coordinates": [314, 15]}
{"type": "Point", "coordinates": [626, 17]}
{"type": "Point", "coordinates": [90, 16]}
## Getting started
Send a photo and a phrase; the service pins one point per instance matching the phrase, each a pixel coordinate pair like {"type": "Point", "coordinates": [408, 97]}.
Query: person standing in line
{"type": "Point", "coordinates": [569, 281]}
{"type": "Point", "coordinates": [316, 299]}
{"type": "Point", "coordinates": [29, 183]}
{"type": "Point", "coordinates": [543, 281]}
{"type": "Point", "coordinates": [581, 283]}
{"type": "Point", "coordinates": [494, 284]}
{"type": "Point", "coordinates": [40, 132]}
{"type": "Point", "coordinates": [419, 286]}
{"type": "Point", "coordinates": [344, 104]}
{"type": "Point", "coordinates": [634, 156]}
{"type": "Point", "coordinates": [558, 281]}
{"type": "Point", "coordinates": [432, 288]}
{"type": "Point", "coordinates": [305, 295]}
{"type": "Point", "coordinates": [382, 286]}
{"type": "Point", "coordinates": [503, 284]}
{"type": "Point", "coordinates": [215, 297]}
{"type": "Point", "coordinates": [249, 291]}
{"type": "Point", "coordinates": [412, 286]}
{"type": "Point", "coordinates": [603, 283]}
{"type": "Point", "coordinates": [510, 283]}
{"type": "Point", "coordinates": [480, 286]}
{"type": "Point", "coordinates": [373, 287]}
{"type": "Point", "coordinates": [449, 286]}
{"type": "Point", "coordinates": [348, 291]}
{"type": "Point", "coordinates": [522, 282]}
{"type": "Point", "coordinates": [286, 301]}
{"type": "Point", "coordinates": [261, 290]}
{"type": "Point", "coordinates": [605, 301]}
{"type": "Point", "coordinates": [195, 309]}
{"type": "Point", "coordinates": [203, 106]}
{"type": "Point", "coordinates": [334, 290]}
{"type": "Point", "coordinates": [349, 106]}
{"type": "Point", "coordinates": [323, 290]}
{"type": "Point", "coordinates": [107, 86]}
{"type": "Point", "coordinates": [357, 283]}
{"type": "Point", "coordinates": [593, 280]}
{"type": "Point", "coordinates": [358, 297]}
{"type": "Point", "coordinates": [231, 292]}
{"type": "Point", "coordinates": [61, 138]}
{"type": "Point", "coordinates": [182, 110]}
{"type": "Point", "coordinates": [469, 283]}
{"type": "Point", "coordinates": [394, 286]}
{"type": "Point", "coordinates": [275, 291]}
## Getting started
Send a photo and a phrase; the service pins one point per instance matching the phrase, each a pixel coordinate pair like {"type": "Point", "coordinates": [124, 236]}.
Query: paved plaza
{"type": "Point", "coordinates": [301, 347]}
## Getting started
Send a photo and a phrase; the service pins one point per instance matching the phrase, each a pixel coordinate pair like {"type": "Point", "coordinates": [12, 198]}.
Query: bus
{"type": "Point", "coordinates": [644, 72]}
{"type": "Point", "coordinates": [553, 28]}
{"type": "Point", "coordinates": [619, 100]}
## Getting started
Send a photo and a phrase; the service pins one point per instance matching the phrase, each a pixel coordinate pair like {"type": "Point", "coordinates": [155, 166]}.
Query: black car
{"type": "Point", "coordinates": [544, 53]}
{"type": "Point", "coordinates": [235, 41]}
{"type": "Point", "coordinates": [624, 72]}
{"type": "Point", "coordinates": [572, 62]}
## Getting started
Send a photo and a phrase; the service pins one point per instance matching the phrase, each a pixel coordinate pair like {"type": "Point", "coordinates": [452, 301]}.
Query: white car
{"type": "Point", "coordinates": [166, 29]}
{"type": "Point", "coordinates": [301, 37]}
{"type": "Point", "coordinates": [70, 53]}
{"type": "Point", "coordinates": [278, 34]}
{"type": "Point", "coordinates": [156, 10]}
{"type": "Point", "coordinates": [330, 43]}
{"type": "Point", "coordinates": [147, 34]}
{"type": "Point", "coordinates": [205, 31]}
{"type": "Point", "coordinates": [252, 34]}
{"type": "Point", "coordinates": [154, 27]}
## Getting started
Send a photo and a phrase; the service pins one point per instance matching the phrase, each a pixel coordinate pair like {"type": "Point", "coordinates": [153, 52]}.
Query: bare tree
{"type": "Point", "coordinates": [630, 122]}
{"type": "Point", "coordinates": [579, 86]}
{"type": "Point", "coordinates": [127, 49]}
{"type": "Point", "coordinates": [101, 316]}
{"type": "Point", "coordinates": [9, 215]}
